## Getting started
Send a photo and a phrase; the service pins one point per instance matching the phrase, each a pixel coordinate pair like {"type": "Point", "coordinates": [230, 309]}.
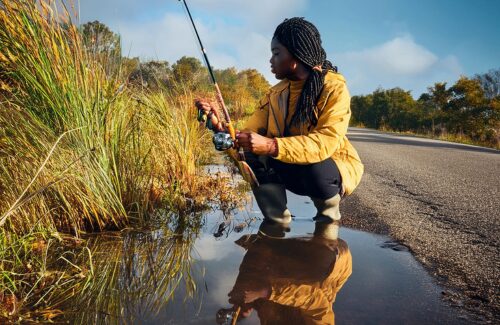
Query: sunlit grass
{"type": "Point", "coordinates": [117, 151]}
{"type": "Point", "coordinates": [79, 152]}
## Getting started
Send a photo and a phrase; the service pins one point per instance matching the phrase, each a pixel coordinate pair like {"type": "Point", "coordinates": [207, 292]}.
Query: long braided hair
{"type": "Point", "coordinates": [303, 41]}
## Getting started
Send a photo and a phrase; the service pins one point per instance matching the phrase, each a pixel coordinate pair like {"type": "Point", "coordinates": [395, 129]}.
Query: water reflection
{"type": "Point", "coordinates": [289, 280]}
{"type": "Point", "coordinates": [136, 273]}
{"type": "Point", "coordinates": [180, 273]}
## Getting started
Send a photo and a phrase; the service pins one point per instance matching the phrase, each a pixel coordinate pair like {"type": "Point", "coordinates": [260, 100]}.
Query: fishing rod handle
{"type": "Point", "coordinates": [229, 125]}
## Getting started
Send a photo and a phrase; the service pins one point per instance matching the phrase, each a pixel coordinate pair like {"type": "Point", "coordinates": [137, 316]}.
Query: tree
{"type": "Point", "coordinates": [190, 72]}
{"type": "Point", "coordinates": [401, 112]}
{"type": "Point", "coordinates": [439, 99]}
{"type": "Point", "coordinates": [103, 45]}
{"type": "Point", "coordinates": [378, 114]}
{"type": "Point", "coordinates": [360, 105]}
{"type": "Point", "coordinates": [152, 74]}
{"type": "Point", "coordinates": [428, 112]}
{"type": "Point", "coordinates": [490, 82]}
{"type": "Point", "coordinates": [469, 108]}
{"type": "Point", "coordinates": [257, 84]}
{"type": "Point", "coordinates": [242, 90]}
{"type": "Point", "coordinates": [99, 39]}
{"type": "Point", "coordinates": [129, 65]}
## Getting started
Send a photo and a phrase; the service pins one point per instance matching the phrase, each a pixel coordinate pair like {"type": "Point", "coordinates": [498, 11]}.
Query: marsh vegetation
{"type": "Point", "coordinates": [92, 142]}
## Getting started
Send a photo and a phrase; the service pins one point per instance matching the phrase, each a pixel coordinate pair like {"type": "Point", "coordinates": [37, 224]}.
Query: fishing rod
{"type": "Point", "coordinates": [222, 140]}
{"type": "Point", "coordinates": [220, 99]}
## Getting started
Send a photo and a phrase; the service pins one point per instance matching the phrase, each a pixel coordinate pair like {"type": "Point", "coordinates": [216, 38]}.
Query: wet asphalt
{"type": "Point", "coordinates": [441, 200]}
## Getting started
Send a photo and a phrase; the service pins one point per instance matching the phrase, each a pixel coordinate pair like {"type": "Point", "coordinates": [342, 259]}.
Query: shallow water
{"type": "Point", "coordinates": [387, 285]}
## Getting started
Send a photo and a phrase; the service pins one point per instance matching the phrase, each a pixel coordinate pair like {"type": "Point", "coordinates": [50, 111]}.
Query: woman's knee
{"type": "Point", "coordinates": [322, 179]}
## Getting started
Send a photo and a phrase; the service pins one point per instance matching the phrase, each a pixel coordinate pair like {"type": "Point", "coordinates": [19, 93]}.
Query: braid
{"type": "Point", "coordinates": [303, 41]}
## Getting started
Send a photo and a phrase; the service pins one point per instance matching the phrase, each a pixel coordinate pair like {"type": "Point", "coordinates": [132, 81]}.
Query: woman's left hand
{"type": "Point", "coordinates": [257, 144]}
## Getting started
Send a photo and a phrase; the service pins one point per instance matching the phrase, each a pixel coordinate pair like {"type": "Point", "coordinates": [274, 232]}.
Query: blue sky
{"type": "Point", "coordinates": [387, 43]}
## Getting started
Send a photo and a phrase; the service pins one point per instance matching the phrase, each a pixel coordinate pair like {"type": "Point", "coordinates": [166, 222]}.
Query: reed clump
{"type": "Point", "coordinates": [117, 151]}
{"type": "Point", "coordinates": [80, 151]}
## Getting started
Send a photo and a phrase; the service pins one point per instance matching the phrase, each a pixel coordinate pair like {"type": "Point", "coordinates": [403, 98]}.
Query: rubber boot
{"type": "Point", "coordinates": [271, 198]}
{"type": "Point", "coordinates": [328, 217]}
{"type": "Point", "coordinates": [328, 210]}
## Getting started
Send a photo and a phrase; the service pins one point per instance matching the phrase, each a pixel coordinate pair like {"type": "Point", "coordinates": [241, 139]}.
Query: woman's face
{"type": "Point", "coordinates": [282, 61]}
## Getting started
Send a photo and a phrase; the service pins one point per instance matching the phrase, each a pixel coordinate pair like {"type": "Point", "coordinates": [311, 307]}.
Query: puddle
{"type": "Point", "coordinates": [182, 274]}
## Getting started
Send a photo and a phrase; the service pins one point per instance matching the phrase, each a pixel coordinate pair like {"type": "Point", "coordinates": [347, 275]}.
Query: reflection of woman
{"type": "Point", "coordinates": [301, 123]}
{"type": "Point", "coordinates": [286, 288]}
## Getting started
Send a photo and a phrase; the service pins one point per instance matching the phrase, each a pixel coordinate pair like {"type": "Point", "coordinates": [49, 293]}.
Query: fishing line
{"type": "Point", "coordinates": [224, 141]}
{"type": "Point", "coordinates": [195, 36]}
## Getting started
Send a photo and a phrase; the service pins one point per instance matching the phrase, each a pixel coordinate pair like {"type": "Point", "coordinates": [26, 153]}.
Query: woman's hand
{"type": "Point", "coordinates": [244, 296]}
{"type": "Point", "coordinates": [207, 109]}
{"type": "Point", "coordinates": [257, 144]}
{"type": "Point", "coordinates": [252, 295]}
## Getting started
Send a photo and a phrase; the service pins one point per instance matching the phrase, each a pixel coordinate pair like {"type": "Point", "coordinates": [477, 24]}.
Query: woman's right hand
{"type": "Point", "coordinates": [206, 108]}
{"type": "Point", "coordinates": [203, 106]}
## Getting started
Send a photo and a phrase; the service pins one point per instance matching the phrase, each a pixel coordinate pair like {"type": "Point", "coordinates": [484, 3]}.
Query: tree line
{"type": "Point", "coordinates": [469, 109]}
{"type": "Point", "coordinates": [241, 89]}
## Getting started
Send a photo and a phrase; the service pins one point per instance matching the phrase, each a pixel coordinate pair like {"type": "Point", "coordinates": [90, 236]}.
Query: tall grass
{"type": "Point", "coordinates": [79, 150]}
{"type": "Point", "coordinates": [119, 151]}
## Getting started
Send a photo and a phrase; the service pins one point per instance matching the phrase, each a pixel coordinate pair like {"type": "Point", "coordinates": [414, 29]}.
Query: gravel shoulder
{"type": "Point", "coordinates": [441, 200]}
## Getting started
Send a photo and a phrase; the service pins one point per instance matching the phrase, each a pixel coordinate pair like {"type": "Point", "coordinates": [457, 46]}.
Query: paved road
{"type": "Point", "coordinates": [442, 200]}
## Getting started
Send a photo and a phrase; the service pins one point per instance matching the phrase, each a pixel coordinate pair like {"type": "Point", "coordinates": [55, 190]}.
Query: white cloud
{"type": "Point", "coordinates": [238, 33]}
{"type": "Point", "coordinates": [261, 14]}
{"type": "Point", "coordinates": [110, 11]}
{"type": "Point", "coordinates": [234, 32]}
{"type": "Point", "coordinates": [221, 285]}
{"type": "Point", "coordinates": [398, 56]}
{"type": "Point", "coordinates": [168, 38]}
{"type": "Point", "coordinates": [209, 249]}
{"type": "Point", "coordinates": [172, 36]}
{"type": "Point", "coordinates": [400, 62]}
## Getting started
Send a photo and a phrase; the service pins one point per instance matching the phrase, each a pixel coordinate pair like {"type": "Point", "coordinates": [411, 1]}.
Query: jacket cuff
{"type": "Point", "coordinates": [281, 149]}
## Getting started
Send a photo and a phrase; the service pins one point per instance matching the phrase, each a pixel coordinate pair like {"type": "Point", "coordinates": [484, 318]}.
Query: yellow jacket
{"type": "Point", "coordinates": [327, 139]}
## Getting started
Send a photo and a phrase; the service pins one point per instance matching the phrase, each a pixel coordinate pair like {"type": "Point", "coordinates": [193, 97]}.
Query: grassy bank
{"type": "Point", "coordinates": [80, 151]}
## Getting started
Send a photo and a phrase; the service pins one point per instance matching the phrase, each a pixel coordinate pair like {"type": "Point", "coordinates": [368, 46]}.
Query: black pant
{"type": "Point", "coordinates": [321, 180]}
